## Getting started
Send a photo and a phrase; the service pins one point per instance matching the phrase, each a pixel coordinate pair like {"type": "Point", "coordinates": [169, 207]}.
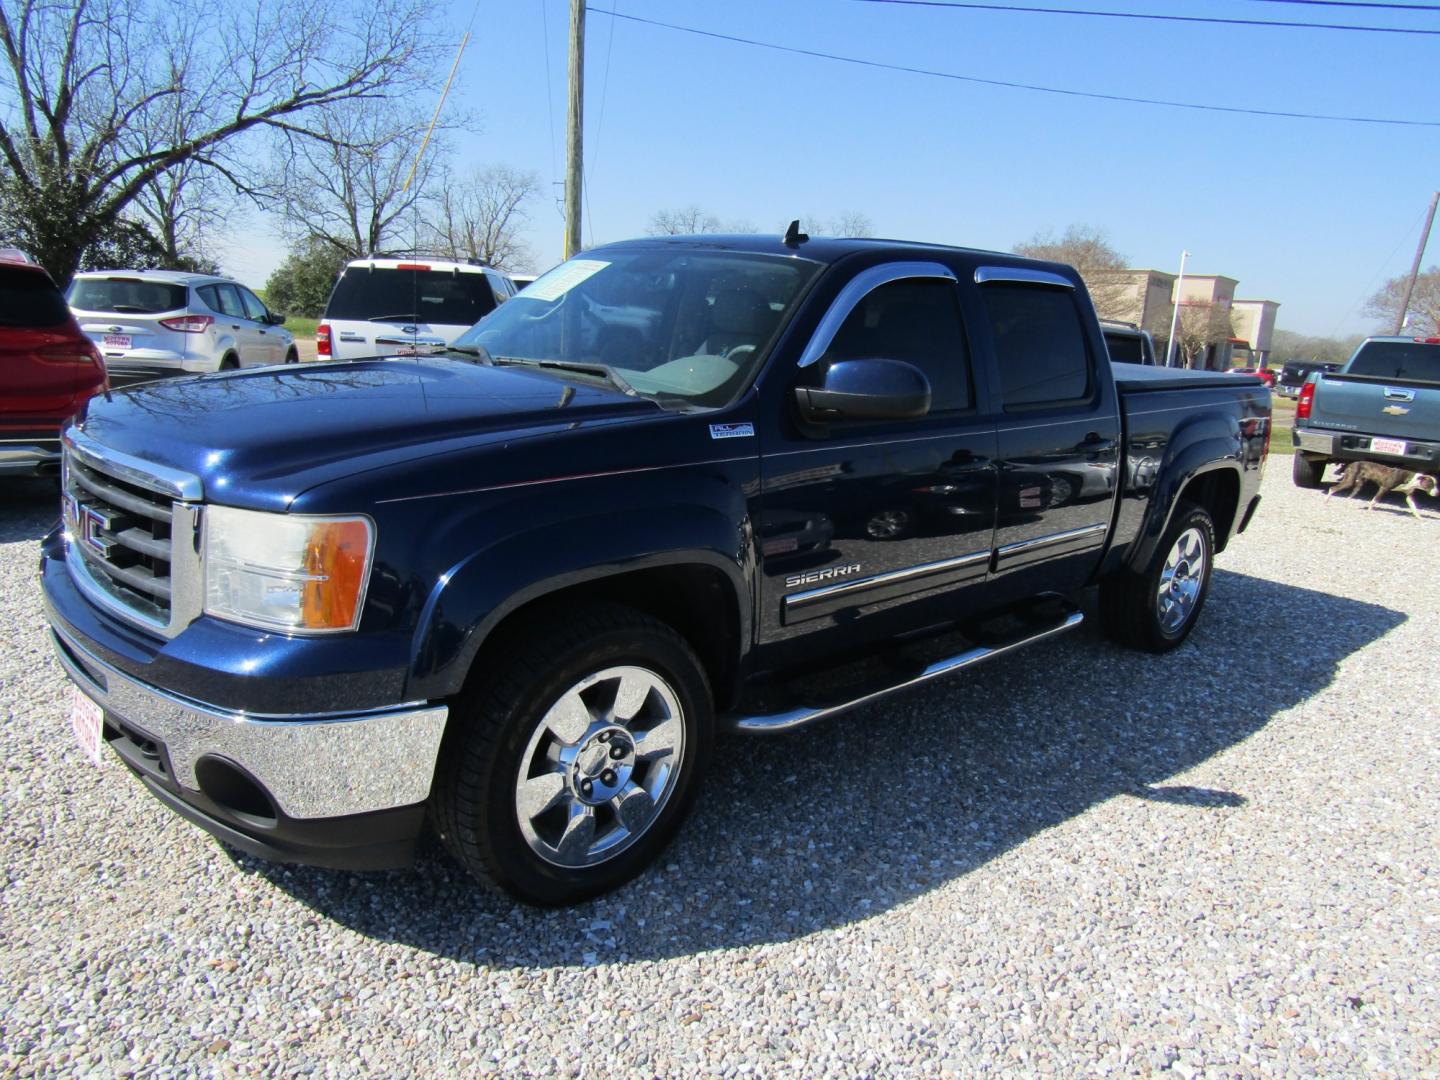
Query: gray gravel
{"type": "Point", "coordinates": [1222, 862]}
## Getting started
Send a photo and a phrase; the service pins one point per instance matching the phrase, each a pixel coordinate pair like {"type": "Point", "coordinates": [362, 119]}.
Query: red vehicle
{"type": "Point", "coordinates": [1265, 375]}
{"type": "Point", "coordinates": [48, 368]}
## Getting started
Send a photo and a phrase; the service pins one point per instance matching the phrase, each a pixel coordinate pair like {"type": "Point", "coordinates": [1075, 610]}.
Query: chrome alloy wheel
{"type": "Point", "coordinates": [600, 766]}
{"type": "Point", "coordinates": [1181, 579]}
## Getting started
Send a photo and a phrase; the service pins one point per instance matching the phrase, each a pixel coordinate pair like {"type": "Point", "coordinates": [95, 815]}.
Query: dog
{"type": "Point", "coordinates": [1387, 479]}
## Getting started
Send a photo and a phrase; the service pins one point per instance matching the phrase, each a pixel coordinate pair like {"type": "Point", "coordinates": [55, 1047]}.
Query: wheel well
{"type": "Point", "coordinates": [1219, 493]}
{"type": "Point", "coordinates": [697, 601]}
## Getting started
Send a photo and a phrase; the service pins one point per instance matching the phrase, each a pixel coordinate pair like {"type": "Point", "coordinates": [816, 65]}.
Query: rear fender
{"type": "Point", "coordinates": [476, 594]}
{"type": "Point", "coordinates": [1198, 448]}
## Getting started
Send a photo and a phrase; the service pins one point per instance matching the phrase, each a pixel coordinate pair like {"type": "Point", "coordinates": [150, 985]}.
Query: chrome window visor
{"type": "Point", "coordinates": [1014, 274]}
{"type": "Point", "coordinates": [146, 474]}
{"type": "Point", "coordinates": [859, 287]}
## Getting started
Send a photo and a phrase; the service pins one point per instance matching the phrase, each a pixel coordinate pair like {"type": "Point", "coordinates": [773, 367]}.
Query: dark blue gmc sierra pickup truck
{"type": "Point", "coordinates": [676, 486]}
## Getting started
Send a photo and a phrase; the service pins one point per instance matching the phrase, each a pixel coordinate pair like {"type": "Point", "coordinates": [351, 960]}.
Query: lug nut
{"type": "Point", "coordinates": [608, 776]}
{"type": "Point", "coordinates": [604, 736]}
{"type": "Point", "coordinates": [586, 787]}
{"type": "Point", "coordinates": [617, 751]}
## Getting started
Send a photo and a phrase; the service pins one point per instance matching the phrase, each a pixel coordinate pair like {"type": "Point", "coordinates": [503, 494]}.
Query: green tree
{"type": "Point", "coordinates": [301, 284]}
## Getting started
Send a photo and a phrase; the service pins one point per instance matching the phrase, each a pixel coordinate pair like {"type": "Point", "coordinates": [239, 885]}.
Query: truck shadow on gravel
{"type": "Point", "coordinates": [827, 826]}
{"type": "Point", "coordinates": [28, 509]}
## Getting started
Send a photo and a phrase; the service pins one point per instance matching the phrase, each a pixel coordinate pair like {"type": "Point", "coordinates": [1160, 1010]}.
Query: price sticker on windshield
{"type": "Point", "coordinates": [563, 278]}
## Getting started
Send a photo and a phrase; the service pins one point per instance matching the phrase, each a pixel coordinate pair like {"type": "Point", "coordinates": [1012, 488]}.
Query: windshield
{"type": "Point", "coordinates": [671, 323]}
{"type": "Point", "coordinates": [383, 294]}
{"type": "Point", "coordinates": [1414, 360]}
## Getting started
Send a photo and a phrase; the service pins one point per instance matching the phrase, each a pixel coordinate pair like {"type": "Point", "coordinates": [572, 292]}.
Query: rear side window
{"type": "Point", "coordinates": [126, 296]}
{"type": "Point", "coordinates": [916, 320]}
{"type": "Point", "coordinates": [30, 298]}
{"type": "Point", "coordinates": [224, 299]}
{"type": "Point", "coordinates": [1125, 349]}
{"type": "Point", "coordinates": [1039, 345]}
{"type": "Point", "coordinates": [1413, 360]}
{"type": "Point", "coordinates": [391, 295]}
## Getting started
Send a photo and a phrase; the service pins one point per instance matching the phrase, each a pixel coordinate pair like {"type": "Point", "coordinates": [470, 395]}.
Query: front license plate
{"type": "Point", "coordinates": [116, 341]}
{"type": "Point", "coordinates": [1388, 446]}
{"type": "Point", "coordinates": [87, 719]}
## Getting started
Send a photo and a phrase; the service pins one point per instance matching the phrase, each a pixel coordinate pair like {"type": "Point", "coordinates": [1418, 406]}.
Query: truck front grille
{"type": "Point", "coordinates": [126, 532]}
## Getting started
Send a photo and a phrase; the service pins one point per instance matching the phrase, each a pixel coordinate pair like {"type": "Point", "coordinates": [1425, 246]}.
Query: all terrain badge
{"type": "Point", "coordinates": [732, 431]}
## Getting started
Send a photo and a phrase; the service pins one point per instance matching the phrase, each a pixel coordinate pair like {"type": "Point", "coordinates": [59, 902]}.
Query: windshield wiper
{"type": "Point", "coordinates": [584, 367]}
{"type": "Point", "coordinates": [404, 316]}
{"type": "Point", "coordinates": [478, 351]}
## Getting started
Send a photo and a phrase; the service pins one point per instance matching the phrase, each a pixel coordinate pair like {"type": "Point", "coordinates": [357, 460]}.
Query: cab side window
{"type": "Point", "coordinates": [1039, 346]}
{"type": "Point", "coordinates": [916, 320]}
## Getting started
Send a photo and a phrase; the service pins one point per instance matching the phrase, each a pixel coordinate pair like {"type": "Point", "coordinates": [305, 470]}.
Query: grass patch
{"type": "Point", "coordinates": [301, 327]}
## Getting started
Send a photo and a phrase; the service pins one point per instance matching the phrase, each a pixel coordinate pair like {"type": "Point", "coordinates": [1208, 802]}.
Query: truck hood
{"type": "Point", "coordinates": [260, 437]}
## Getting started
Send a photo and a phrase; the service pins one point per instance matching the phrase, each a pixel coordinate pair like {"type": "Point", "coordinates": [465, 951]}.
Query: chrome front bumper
{"type": "Point", "coordinates": [313, 766]}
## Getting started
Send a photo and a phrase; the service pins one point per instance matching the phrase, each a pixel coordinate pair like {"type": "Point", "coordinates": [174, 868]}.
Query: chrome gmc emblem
{"type": "Point", "coordinates": [91, 522]}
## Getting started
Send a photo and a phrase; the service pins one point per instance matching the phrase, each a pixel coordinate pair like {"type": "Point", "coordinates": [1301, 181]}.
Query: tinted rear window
{"type": "Point", "coordinates": [29, 298]}
{"type": "Point", "coordinates": [1039, 345]}
{"type": "Point", "coordinates": [1412, 360]}
{"type": "Point", "coordinates": [126, 296]}
{"type": "Point", "coordinates": [432, 296]}
{"type": "Point", "coordinates": [1125, 349]}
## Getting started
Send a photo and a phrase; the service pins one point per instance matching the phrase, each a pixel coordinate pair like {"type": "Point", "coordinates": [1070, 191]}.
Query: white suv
{"type": "Point", "coordinates": [152, 323]}
{"type": "Point", "coordinates": [406, 306]}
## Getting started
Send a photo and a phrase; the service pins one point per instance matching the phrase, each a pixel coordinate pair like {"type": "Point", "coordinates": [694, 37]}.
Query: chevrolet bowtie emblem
{"type": "Point", "coordinates": [1395, 410]}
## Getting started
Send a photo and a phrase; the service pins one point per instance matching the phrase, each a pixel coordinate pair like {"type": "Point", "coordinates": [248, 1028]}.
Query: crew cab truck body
{"type": "Point", "coordinates": [674, 485]}
{"type": "Point", "coordinates": [1383, 405]}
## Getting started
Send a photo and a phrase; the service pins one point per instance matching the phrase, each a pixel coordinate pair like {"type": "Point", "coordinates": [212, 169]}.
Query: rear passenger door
{"type": "Point", "coordinates": [864, 518]}
{"type": "Point", "coordinates": [1059, 431]}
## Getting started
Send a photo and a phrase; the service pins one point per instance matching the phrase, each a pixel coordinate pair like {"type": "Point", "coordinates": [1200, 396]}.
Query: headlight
{"type": "Point", "coordinates": [286, 571]}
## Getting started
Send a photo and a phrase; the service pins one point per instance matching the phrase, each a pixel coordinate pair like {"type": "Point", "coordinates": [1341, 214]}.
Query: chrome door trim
{"type": "Point", "coordinates": [796, 601]}
{"type": "Point", "coordinates": [1013, 274]}
{"type": "Point", "coordinates": [855, 290]}
{"type": "Point", "coordinates": [1052, 539]}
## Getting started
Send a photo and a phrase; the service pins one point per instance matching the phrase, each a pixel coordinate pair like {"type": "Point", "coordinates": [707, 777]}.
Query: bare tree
{"type": "Point", "coordinates": [1199, 327]}
{"type": "Point", "coordinates": [99, 98]}
{"type": "Point", "coordinates": [687, 221]}
{"type": "Point", "coordinates": [480, 217]}
{"type": "Point", "coordinates": [848, 223]}
{"type": "Point", "coordinates": [1088, 250]}
{"type": "Point", "coordinates": [184, 208]}
{"type": "Point", "coordinates": [347, 188]}
{"type": "Point", "coordinates": [1287, 344]}
{"type": "Point", "coordinates": [1424, 308]}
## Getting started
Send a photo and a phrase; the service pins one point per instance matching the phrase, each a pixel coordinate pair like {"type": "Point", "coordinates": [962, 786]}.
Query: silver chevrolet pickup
{"type": "Point", "coordinates": [1384, 405]}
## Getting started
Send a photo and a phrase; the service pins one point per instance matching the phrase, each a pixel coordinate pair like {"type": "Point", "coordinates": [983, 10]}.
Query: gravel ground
{"type": "Point", "coordinates": [1075, 860]}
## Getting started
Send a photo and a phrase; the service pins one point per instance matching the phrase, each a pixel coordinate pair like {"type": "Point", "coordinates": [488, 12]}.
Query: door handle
{"type": "Point", "coordinates": [1094, 444]}
{"type": "Point", "coordinates": [234, 326]}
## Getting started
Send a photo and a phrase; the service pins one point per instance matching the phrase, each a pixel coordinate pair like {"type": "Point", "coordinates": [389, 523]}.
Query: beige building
{"type": "Point", "coordinates": [1147, 298]}
{"type": "Point", "coordinates": [1254, 322]}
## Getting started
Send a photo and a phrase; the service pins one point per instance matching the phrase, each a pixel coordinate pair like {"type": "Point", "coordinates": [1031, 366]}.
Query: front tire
{"type": "Point", "coordinates": [569, 770]}
{"type": "Point", "coordinates": [1155, 609]}
{"type": "Point", "coordinates": [1307, 471]}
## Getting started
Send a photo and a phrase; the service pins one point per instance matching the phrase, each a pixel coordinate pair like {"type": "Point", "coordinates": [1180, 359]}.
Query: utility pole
{"type": "Point", "coordinates": [1175, 316]}
{"type": "Point", "coordinates": [1415, 266]}
{"type": "Point", "coordinates": [574, 159]}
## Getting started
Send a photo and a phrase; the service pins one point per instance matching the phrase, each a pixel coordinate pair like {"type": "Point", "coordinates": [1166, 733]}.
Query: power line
{"type": "Point", "coordinates": [959, 5]}
{"type": "Point", "coordinates": [1017, 85]}
{"type": "Point", "coordinates": [1355, 4]}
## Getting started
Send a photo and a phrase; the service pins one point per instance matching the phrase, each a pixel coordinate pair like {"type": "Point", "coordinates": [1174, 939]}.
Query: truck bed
{"type": "Point", "coordinates": [1140, 379]}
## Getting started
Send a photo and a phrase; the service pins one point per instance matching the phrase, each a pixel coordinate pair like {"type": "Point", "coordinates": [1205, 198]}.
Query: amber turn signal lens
{"type": "Point", "coordinates": [336, 560]}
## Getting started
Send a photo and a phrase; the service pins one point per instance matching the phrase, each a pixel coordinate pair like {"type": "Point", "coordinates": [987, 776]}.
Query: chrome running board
{"type": "Point", "coordinates": [798, 717]}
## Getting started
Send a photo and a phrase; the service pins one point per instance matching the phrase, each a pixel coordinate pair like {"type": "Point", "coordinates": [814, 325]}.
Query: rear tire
{"type": "Point", "coordinates": [546, 789]}
{"type": "Point", "coordinates": [1156, 608]}
{"type": "Point", "coordinates": [1307, 471]}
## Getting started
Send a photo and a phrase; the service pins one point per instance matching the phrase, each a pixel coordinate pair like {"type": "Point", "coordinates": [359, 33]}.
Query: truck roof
{"type": "Point", "coordinates": [823, 249]}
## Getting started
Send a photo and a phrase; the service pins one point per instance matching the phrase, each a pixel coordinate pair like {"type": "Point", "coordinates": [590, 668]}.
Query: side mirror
{"type": "Point", "coordinates": [866, 390]}
{"type": "Point", "coordinates": [275, 318]}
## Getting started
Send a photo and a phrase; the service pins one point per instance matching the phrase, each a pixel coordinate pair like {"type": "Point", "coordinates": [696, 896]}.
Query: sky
{"type": "Point", "coordinates": [1313, 214]}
